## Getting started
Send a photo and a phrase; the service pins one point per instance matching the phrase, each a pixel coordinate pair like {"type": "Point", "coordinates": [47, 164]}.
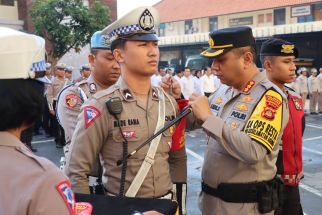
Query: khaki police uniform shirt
{"type": "Point", "coordinates": [70, 101]}
{"type": "Point", "coordinates": [97, 132]}
{"type": "Point", "coordinates": [302, 84]}
{"type": "Point", "coordinates": [53, 90]}
{"type": "Point", "coordinates": [30, 184]}
{"type": "Point", "coordinates": [313, 84]}
{"type": "Point", "coordinates": [243, 140]}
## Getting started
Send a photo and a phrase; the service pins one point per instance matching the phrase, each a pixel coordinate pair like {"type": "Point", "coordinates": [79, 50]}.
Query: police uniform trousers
{"type": "Point", "coordinates": [291, 202]}
{"type": "Point", "coordinates": [59, 133]}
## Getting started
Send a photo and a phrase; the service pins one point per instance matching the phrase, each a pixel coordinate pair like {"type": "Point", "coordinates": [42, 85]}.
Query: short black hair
{"type": "Point", "coordinates": [21, 102]}
{"type": "Point", "coordinates": [118, 43]}
{"type": "Point", "coordinates": [187, 67]}
{"type": "Point", "coordinates": [252, 49]}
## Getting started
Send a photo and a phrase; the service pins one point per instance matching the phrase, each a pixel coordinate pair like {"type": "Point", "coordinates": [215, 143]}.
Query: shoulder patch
{"type": "Point", "coordinates": [67, 194]}
{"type": "Point", "coordinates": [90, 115]}
{"type": "Point", "coordinates": [71, 100]}
{"type": "Point", "coordinates": [83, 208]}
{"type": "Point", "coordinates": [265, 123]}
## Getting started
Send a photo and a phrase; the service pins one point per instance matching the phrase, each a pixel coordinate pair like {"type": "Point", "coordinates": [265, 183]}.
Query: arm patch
{"type": "Point", "coordinates": [265, 123]}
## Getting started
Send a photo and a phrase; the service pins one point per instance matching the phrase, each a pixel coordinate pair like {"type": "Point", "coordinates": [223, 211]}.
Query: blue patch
{"type": "Point", "coordinates": [67, 194]}
{"type": "Point", "coordinates": [90, 114]}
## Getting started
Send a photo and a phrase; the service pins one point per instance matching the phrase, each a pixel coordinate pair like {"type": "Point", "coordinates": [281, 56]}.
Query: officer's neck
{"type": "Point", "coordinates": [137, 83]}
{"type": "Point", "coordinates": [246, 77]}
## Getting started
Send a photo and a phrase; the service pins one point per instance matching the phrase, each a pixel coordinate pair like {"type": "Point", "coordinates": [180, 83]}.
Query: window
{"type": "Point", "coordinates": [269, 17]}
{"type": "Point", "coordinates": [279, 16]}
{"type": "Point", "coordinates": [188, 27]}
{"type": "Point", "coordinates": [162, 29]}
{"type": "Point", "coordinates": [317, 12]}
{"type": "Point", "coordinates": [260, 19]}
{"type": "Point", "coordinates": [213, 23]}
{"type": "Point", "coordinates": [7, 2]}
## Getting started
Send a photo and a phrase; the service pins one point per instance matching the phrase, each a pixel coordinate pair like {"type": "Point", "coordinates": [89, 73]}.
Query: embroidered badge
{"type": "Point", "coordinates": [83, 208]}
{"type": "Point", "coordinates": [287, 49]}
{"type": "Point", "coordinates": [264, 125]}
{"type": "Point", "coordinates": [211, 42]}
{"type": "Point", "coordinates": [171, 129]}
{"type": "Point", "coordinates": [146, 20]}
{"type": "Point", "coordinates": [247, 99]}
{"type": "Point", "coordinates": [129, 134]}
{"type": "Point", "coordinates": [127, 94]}
{"type": "Point", "coordinates": [218, 101]}
{"type": "Point", "coordinates": [90, 114]}
{"type": "Point", "coordinates": [92, 88]}
{"type": "Point", "coordinates": [272, 104]}
{"type": "Point", "coordinates": [71, 100]}
{"type": "Point", "coordinates": [242, 107]}
{"type": "Point", "coordinates": [67, 194]}
{"type": "Point", "coordinates": [297, 104]}
{"type": "Point", "coordinates": [249, 86]}
{"type": "Point", "coordinates": [234, 125]}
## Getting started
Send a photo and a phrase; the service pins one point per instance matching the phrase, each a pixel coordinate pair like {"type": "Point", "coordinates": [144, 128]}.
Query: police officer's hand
{"type": "Point", "coordinates": [52, 112]}
{"type": "Point", "coordinates": [152, 213]}
{"type": "Point", "coordinates": [200, 107]}
{"type": "Point", "coordinates": [172, 86]}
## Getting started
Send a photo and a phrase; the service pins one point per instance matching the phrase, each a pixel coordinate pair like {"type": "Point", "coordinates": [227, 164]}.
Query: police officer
{"type": "Point", "coordinates": [302, 84]}
{"type": "Point", "coordinates": [107, 128]}
{"type": "Point", "coordinates": [28, 184]}
{"type": "Point", "coordinates": [244, 122]}
{"type": "Point", "coordinates": [277, 57]}
{"type": "Point", "coordinates": [105, 72]}
{"type": "Point", "coordinates": [52, 94]}
{"type": "Point", "coordinates": [69, 75]}
{"type": "Point", "coordinates": [85, 72]}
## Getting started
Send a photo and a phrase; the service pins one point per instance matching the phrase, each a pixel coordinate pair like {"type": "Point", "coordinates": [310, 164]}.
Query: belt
{"type": "Point", "coordinates": [169, 195]}
{"type": "Point", "coordinates": [236, 193]}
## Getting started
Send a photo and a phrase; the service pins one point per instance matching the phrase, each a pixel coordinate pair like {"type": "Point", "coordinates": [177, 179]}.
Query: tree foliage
{"type": "Point", "coordinates": [67, 24]}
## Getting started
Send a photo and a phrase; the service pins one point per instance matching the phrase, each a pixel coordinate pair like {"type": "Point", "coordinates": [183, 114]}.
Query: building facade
{"type": "Point", "coordinates": [185, 25]}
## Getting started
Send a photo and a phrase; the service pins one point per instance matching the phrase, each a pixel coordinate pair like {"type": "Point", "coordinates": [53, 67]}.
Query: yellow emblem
{"type": "Point", "coordinates": [211, 42]}
{"type": "Point", "coordinates": [287, 49]}
{"type": "Point", "coordinates": [218, 101]}
{"type": "Point", "coordinates": [242, 107]}
{"type": "Point", "coordinates": [233, 125]}
{"type": "Point", "coordinates": [171, 130]}
{"type": "Point", "coordinates": [247, 99]}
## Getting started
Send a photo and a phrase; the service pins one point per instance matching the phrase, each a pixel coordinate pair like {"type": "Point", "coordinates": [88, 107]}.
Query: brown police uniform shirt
{"type": "Point", "coordinates": [97, 132]}
{"type": "Point", "coordinates": [53, 90]}
{"type": "Point", "coordinates": [30, 184]}
{"type": "Point", "coordinates": [243, 140]}
{"type": "Point", "coordinates": [70, 101]}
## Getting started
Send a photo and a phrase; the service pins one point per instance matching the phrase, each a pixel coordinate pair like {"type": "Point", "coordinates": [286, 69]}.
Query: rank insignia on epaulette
{"type": "Point", "coordinates": [127, 94]}
{"type": "Point", "coordinates": [242, 107]}
{"type": "Point", "coordinates": [218, 101]}
{"type": "Point", "coordinates": [247, 99]}
{"type": "Point", "coordinates": [92, 88]}
{"type": "Point", "coordinates": [154, 94]}
{"type": "Point", "coordinates": [297, 104]}
{"type": "Point", "coordinates": [249, 86]}
{"type": "Point", "coordinates": [287, 49]}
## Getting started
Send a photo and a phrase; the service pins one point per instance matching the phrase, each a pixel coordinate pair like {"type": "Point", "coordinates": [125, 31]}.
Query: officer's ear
{"type": "Point", "coordinates": [248, 58]}
{"type": "Point", "coordinates": [91, 59]}
{"type": "Point", "coordinates": [268, 64]}
{"type": "Point", "coordinates": [118, 55]}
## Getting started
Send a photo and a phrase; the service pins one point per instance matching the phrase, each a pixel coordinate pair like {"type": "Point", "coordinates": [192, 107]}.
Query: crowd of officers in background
{"type": "Point", "coordinates": [56, 79]}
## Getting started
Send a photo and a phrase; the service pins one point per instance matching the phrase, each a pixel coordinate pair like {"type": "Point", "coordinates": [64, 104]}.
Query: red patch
{"type": "Point", "coordinates": [249, 86]}
{"type": "Point", "coordinates": [90, 115]}
{"type": "Point", "coordinates": [129, 134]}
{"type": "Point", "coordinates": [272, 104]}
{"type": "Point", "coordinates": [71, 100]}
{"type": "Point", "coordinates": [67, 194]}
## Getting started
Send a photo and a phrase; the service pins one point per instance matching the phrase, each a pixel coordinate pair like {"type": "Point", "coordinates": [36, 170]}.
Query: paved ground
{"type": "Point", "coordinates": [311, 186]}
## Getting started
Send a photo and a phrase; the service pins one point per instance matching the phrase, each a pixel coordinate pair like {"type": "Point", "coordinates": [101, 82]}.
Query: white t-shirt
{"type": "Point", "coordinates": [187, 86]}
{"type": "Point", "coordinates": [155, 80]}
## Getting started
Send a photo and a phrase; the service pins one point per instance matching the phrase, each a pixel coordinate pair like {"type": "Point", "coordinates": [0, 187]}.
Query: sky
{"type": "Point", "coordinates": [124, 6]}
